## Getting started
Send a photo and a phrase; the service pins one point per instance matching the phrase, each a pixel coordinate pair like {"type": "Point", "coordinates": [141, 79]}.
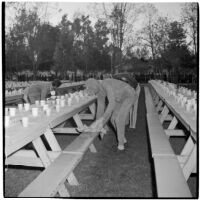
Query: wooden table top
{"type": "Point", "coordinates": [16, 136]}
{"type": "Point", "coordinates": [189, 119]}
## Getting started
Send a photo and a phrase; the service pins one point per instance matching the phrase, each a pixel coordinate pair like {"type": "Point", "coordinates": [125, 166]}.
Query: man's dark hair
{"type": "Point", "coordinates": [56, 83]}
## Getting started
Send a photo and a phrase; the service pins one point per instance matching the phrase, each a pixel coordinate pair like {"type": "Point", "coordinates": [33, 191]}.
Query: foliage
{"type": "Point", "coordinates": [34, 44]}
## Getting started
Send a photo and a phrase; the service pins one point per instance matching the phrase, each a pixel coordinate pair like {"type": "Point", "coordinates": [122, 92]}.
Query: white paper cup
{"type": "Point", "coordinates": [62, 103]}
{"type": "Point", "coordinates": [53, 93]}
{"type": "Point", "coordinates": [77, 98]}
{"type": "Point", "coordinates": [7, 121]}
{"type": "Point", "coordinates": [26, 106]}
{"type": "Point", "coordinates": [45, 107]}
{"type": "Point", "coordinates": [6, 111]}
{"type": "Point", "coordinates": [48, 112]}
{"type": "Point", "coordinates": [58, 108]}
{"type": "Point", "coordinates": [37, 102]}
{"type": "Point", "coordinates": [62, 97]}
{"type": "Point", "coordinates": [12, 111]}
{"type": "Point", "coordinates": [195, 107]}
{"type": "Point", "coordinates": [66, 95]}
{"type": "Point", "coordinates": [188, 106]}
{"type": "Point", "coordinates": [57, 101]}
{"type": "Point", "coordinates": [20, 106]}
{"type": "Point", "coordinates": [69, 102]}
{"type": "Point", "coordinates": [35, 112]}
{"type": "Point", "coordinates": [25, 121]}
{"type": "Point", "coordinates": [42, 102]}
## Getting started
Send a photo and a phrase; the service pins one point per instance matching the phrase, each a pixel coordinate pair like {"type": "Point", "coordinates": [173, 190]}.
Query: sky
{"type": "Point", "coordinates": [172, 10]}
{"type": "Point", "coordinates": [57, 9]}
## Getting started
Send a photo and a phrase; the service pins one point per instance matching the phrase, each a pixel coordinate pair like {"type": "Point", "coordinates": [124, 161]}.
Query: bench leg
{"type": "Point", "coordinates": [42, 152]}
{"type": "Point", "coordinates": [52, 140]}
{"type": "Point", "coordinates": [164, 114]}
{"type": "Point", "coordinates": [156, 100]}
{"type": "Point", "coordinates": [62, 191]}
{"type": "Point", "coordinates": [158, 107]}
{"type": "Point", "coordinates": [78, 121]}
{"type": "Point", "coordinates": [173, 123]}
{"type": "Point", "coordinates": [72, 179]}
{"type": "Point", "coordinates": [190, 165]}
{"type": "Point", "coordinates": [92, 148]}
{"type": "Point", "coordinates": [188, 147]}
{"type": "Point", "coordinates": [92, 109]}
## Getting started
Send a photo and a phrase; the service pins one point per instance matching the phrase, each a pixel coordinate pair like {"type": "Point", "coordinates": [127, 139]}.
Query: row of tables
{"type": "Point", "coordinates": [167, 102]}
{"type": "Point", "coordinates": [188, 118]}
{"type": "Point", "coordinates": [17, 136]}
{"type": "Point", "coordinates": [18, 98]}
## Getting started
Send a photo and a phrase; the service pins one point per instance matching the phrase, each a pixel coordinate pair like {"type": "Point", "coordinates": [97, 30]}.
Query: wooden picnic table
{"type": "Point", "coordinates": [19, 98]}
{"type": "Point", "coordinates": [188, 119]}
{"type": "Point", "coordinates": [17, 136]}
{"type": "Point", "coordinates": [188, 156]}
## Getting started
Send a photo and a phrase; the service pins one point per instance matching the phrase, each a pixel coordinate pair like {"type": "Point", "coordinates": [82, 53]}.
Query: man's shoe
{"type": "Point", "coordinates": [120, 147]}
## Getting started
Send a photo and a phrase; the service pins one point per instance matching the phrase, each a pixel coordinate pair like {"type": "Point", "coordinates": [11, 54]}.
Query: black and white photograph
{"type": "Point", "coordinates": [100, 99]}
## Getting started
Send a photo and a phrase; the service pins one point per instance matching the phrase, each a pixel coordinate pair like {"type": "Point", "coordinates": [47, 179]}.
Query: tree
{"type": "Point", "coordinates": [120, 18]}
{"type": "Point", "coordinates": [176, 48]}
{"type": "Point", "coordinates": [63, 55]}
{"type": "Point", "coordinates": [189, 17]}
{"type": "Point", "coordinates": [149, 32]}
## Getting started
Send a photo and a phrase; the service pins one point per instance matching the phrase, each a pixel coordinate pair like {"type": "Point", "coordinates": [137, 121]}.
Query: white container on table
{"type": "Point", "coordinates": [48, 112]}
{"type": "Point", "coordinates": [69, 102]}
{"type": "Point", "coordinates": [58, 108]}
{"type": "Point", "coordinates": [12, 112]}
{"type": "Point", "coordinates": [62, 103]}
{"type": "Point", "coordinates": [45, 107]}
{"type": "Point", "coordinates": [6, 111]}
{"type": "Point", "coordinates": [35, 112]}
{"type": "Point", "coordinates": [25, 121]}
{"type": "Point", "coordinates": [37, 102]}
{"type": "Point", "coordinates": [7, 121]}
{"type": "Point", "coordinates": [42, 102]}
{"type": "Point", "coordinates": [27, 106]}
{"type": "Point", "coordinates": [20, 106]}
{"type": "Point", "coordinates": [57, 101]}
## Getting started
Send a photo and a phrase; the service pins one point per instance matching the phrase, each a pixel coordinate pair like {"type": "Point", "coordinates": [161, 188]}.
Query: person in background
{"type": "Point", "coordinates": [121, 98]}
{"type": "Point", "coordinates": [40, 91]}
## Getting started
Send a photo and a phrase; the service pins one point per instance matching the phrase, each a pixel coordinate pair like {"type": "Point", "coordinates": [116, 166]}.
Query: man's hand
{"type": "Point", "coordinates": [98, 124]}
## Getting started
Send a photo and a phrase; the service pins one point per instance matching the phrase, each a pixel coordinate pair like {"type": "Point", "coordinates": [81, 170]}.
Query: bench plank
{"type": "Point", "coordinates": [81, 143]}
{"type": "Point", "coordinates": [149, 101]}
{"type": "Point", "coordinates": [160, 144]}
{"type": "Point", "coordinates": [48, 182]}
{"type": "Point", "coordinates": [169, 178]}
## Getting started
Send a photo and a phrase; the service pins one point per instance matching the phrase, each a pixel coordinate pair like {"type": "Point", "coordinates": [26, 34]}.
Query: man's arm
{"type": "Point", "coordinates": [25, 96]}
{"type": "Point", "coordinates": [111, 99]}
{"type": "Point", "coordinates": [100, 105]}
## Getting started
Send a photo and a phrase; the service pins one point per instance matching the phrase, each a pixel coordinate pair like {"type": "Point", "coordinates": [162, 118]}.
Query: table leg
{"type": "Point", "coordinates": [42, 152]}
{"type": "Point", "coordinates": [51, 139]}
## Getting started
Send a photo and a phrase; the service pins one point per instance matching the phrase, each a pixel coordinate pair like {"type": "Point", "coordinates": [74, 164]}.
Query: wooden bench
{"type": "Point", "coordinates": [170, 180]}
{"type": "Point", "coordinates": [82, 143]}
{"type": "Point", "coordinates": [149, 101]}
{"type": "Point", "coordinates": [160, 144]}
{"type": "Point", "coordinates": [51, 180]}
